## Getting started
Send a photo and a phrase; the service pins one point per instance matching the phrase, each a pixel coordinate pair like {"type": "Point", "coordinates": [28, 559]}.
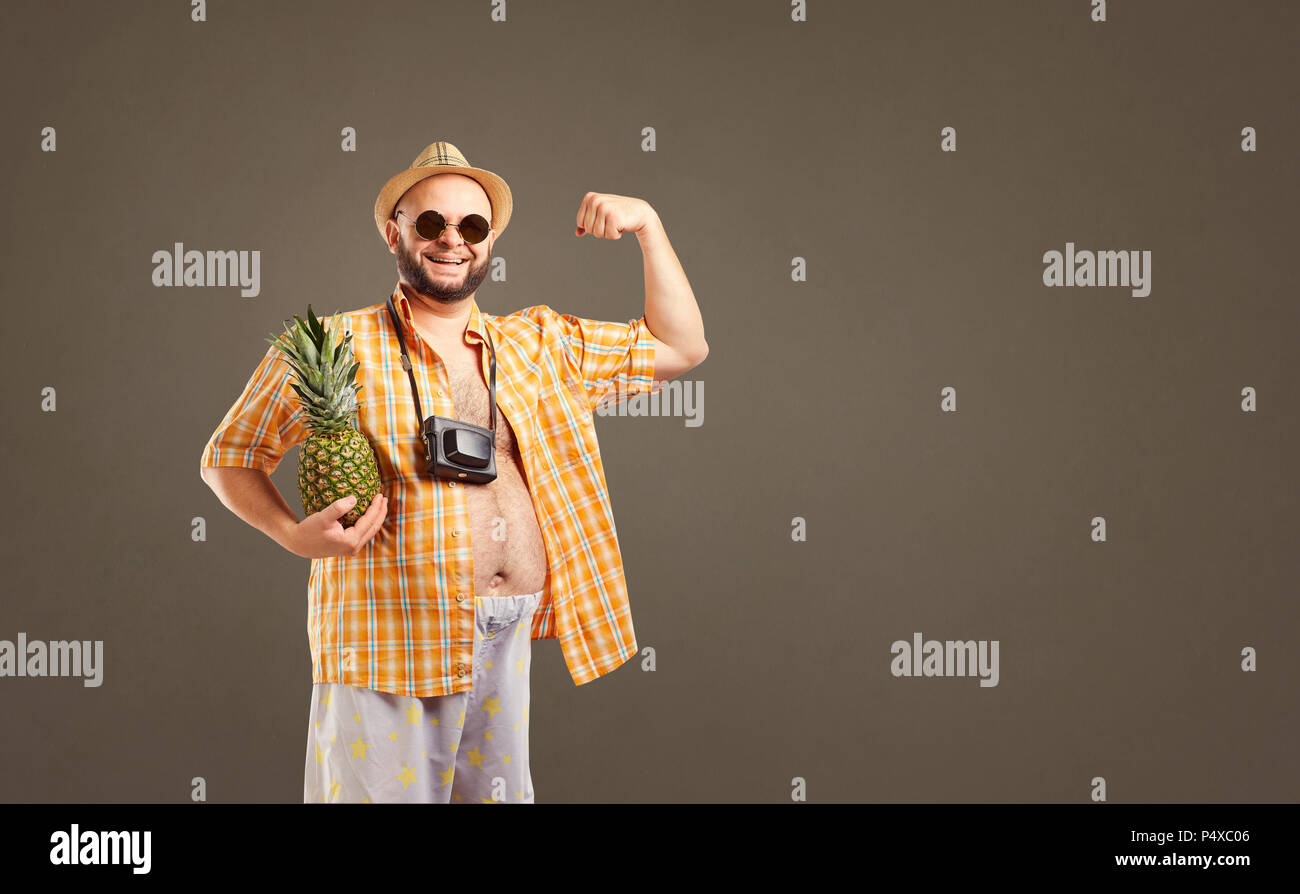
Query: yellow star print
{"type": "Point", "coordinates": [357, 717]}
{"type": "Point", "coordinates": [359, 748]}
{"type": "Point", "coordinates": [413, 713]}
{"type": "Point", "coordinates": [447, 776]}
{"type": "Point", "coordinates": [474, 757]}
{"type": "Point", "coordinates": [392, 737]}
{"type": "Point", "coordinates": [320, 755]}
{"type": "Point", "coordinates": [492, 706]}
{"type": "Point", "coordinates": [407, 776]}
{"type": "Point", "coordinates": [335, 785]}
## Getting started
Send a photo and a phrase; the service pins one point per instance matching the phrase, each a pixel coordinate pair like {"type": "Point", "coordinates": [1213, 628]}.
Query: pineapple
{"type": "Point", "coordinates": [336, 459]}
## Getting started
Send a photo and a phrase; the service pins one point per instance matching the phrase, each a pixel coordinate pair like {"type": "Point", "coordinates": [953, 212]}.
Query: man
{"type": "Point", "coordinates": [421, 615]}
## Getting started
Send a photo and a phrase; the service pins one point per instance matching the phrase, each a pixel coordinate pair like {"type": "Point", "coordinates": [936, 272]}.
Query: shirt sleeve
{"type": "Point", "coordinates": [264, 423]}
{"type": "Point", "coordinates": [615, 360]}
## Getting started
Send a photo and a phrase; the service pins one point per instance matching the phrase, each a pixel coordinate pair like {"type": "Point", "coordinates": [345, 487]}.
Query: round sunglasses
{"type": "Point", "coordinates": [430, 224]}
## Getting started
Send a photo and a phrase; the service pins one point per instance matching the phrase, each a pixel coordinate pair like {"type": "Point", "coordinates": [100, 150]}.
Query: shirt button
{"type": "Point", "coordinates": [460, 597]}
{"type": "Point", "coordinates": [441, 392]}
{"type": "Point", "coordinates": [455, 532]}
{"type": "Point", "coordinates": [451, 484]}
{"type": "Point", "coordinates": [460, 669]}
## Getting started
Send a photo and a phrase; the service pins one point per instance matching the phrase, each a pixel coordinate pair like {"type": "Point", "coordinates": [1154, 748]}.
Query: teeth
{"type": "Point", "coordinates": [447, 260]}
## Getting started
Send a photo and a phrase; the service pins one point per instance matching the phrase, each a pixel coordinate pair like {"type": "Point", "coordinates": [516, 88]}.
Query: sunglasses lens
{"type": "Point", "coordinates": [429, 225]}
{"type": "Point", "coordinates": [473, 228]}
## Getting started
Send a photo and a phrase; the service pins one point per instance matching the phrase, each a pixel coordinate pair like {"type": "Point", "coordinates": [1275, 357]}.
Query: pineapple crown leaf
{"type": "Point", "coordinates": [327, 361]}
{"type": "Point", "coordinates": [309, 400]}
{"type": "Point", "coordinates": [317, 328]}
{"type": "Point", "coordinates": [305, 343]}
{"type": "Point", "coordinates": [325, 378]}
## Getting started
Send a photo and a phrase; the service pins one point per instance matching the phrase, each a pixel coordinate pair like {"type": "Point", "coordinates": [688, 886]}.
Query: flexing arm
{"type": "Point", "coordinates": [671, 312]}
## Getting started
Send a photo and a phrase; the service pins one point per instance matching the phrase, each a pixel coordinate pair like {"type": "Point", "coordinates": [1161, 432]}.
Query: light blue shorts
{"type": "Point", "coordinates": [366, 746]}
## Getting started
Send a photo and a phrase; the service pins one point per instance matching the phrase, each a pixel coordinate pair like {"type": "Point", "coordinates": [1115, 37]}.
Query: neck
{"type": "Point", "coordinates": [444, 322]}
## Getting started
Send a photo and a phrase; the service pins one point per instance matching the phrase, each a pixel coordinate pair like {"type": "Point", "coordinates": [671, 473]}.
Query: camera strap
{"type": "Point", "coordinates": [415, 391]}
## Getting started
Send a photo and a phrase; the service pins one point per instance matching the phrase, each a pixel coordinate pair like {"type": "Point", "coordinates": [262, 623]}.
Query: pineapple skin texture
{"type": "Point", "coordinates": [333, 466]}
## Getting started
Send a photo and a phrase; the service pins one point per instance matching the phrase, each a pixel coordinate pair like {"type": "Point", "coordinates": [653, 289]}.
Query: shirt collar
{"type": "Point", "coordinates": [475, 325]}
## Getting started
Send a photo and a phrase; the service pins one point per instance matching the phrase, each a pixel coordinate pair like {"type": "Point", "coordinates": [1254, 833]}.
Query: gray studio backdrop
{"type": "Point", "coordinates": [1103, 483]}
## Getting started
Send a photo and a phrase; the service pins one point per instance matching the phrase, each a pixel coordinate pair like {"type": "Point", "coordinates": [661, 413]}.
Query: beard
{"type": "Point", "coordinates": [445, 288]}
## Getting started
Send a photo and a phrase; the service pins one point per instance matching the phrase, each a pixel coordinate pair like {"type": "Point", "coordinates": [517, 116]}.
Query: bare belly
{"type": "Point", "coordinates": [509, 553]}
{"type": "Point", "coordinates": [505, 538]}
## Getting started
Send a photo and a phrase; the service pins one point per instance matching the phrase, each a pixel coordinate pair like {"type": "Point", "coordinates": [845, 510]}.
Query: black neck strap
{"type": "Point", "coordinates": [415, 391]}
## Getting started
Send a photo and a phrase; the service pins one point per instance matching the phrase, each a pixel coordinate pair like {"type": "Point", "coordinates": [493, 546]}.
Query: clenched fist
{"type": "Point", "coordinates": [607, 216]}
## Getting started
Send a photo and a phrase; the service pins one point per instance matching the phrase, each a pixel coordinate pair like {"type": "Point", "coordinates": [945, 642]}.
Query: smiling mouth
{"type": "Point", "coordinates": [445, 263]}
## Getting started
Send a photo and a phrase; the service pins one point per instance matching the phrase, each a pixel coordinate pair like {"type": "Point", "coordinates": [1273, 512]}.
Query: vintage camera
{"type": "Point", "coordinates": [459, 450]}
{"type": "Point", "coordinates": [455, 450]}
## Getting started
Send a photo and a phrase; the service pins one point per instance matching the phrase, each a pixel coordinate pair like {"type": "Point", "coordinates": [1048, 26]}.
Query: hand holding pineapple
{"type": "Point", "coordinates": [320, 535]}
{"type": "Point", "coordinates": [336, 461]}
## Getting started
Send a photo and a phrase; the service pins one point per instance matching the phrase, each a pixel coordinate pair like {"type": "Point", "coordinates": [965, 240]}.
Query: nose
{"type": "Point", "coordinates": [446, 238]}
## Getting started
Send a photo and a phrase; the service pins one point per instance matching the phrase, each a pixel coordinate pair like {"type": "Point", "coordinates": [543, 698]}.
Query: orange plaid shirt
{"type": "Point", "coordinates": [399, 615]}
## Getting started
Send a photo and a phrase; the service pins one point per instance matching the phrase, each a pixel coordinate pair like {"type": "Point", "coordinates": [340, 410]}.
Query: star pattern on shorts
{"type": "Point", "coordinates": [415, 710]}
{"type": "Point", "coordinates": [406, 777]}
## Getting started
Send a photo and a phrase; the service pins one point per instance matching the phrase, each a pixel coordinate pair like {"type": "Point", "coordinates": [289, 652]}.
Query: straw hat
{"type": "Point", "coordinates": [444, 158]}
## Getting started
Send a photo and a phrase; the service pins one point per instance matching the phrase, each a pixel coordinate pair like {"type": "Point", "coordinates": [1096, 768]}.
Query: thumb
{"type": "Point", "coordinates": [340, 507]}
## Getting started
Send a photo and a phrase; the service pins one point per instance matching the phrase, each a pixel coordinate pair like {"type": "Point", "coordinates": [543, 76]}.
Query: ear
{"type": "Point", "coordinates": [392, 235]}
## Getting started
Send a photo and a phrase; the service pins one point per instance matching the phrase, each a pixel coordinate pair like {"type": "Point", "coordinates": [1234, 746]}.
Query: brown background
{"type": "Point", "coordinates": [775, 140]}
